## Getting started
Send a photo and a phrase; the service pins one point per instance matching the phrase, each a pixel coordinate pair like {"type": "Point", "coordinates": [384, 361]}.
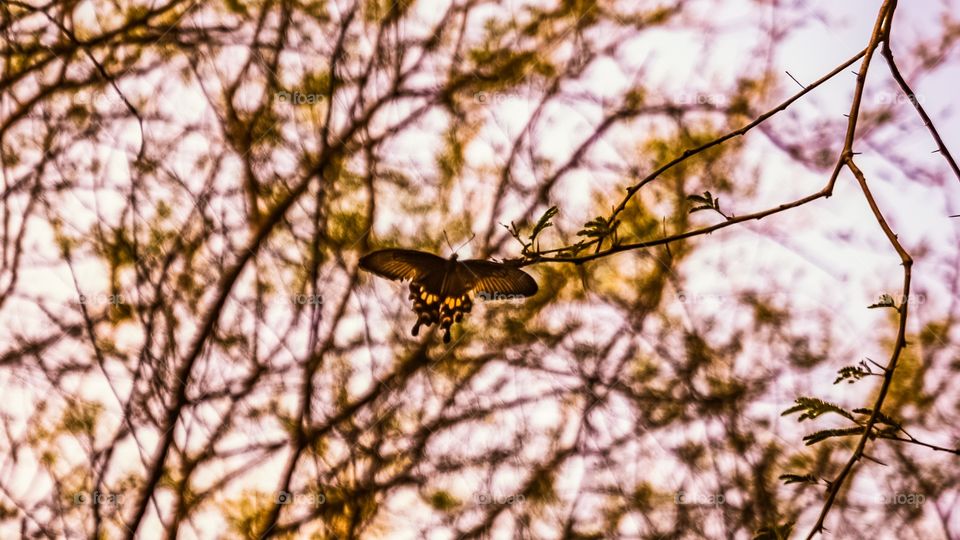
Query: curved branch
{"type": "Point", "coordinates": [887, 53]}
{"type": "Point", "coordinates": [825, 192]}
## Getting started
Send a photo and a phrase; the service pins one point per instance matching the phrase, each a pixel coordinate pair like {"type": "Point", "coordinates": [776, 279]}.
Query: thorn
{"type": "Point", "coordinates": [873, 459]}
{"type": "Point", "coordinates": [856, 153]}
{"type": "Point", "coordinates": [876, 364]}
{"type": "Point", "coordinates": [847, 115]}
{"type": "Point", "coordinates": [937, 151]}
{"type": "Point", "coordinates": [857, 73]}
{"type": "Point", "coordinates": [958, 215]}
{"type": "Point", "coordinates": [795, 80]}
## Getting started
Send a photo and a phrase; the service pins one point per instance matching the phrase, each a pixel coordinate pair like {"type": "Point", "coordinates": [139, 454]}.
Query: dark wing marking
{"type": "Point", "coordinates": [402, 264]}
{"type": "Point", "coordinates": [495, 278]}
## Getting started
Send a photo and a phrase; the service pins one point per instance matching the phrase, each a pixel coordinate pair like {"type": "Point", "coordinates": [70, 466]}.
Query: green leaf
{"type": "Point", "coordinates": [881, 417]}
{"type": "Point", "coordinates": [704, 202]}
{"type": "Point", "coordinates": [814, 407]}
{"type": "Point", "coordinates": [799, 479]}
{"type": "Point", "coordinates": [598, 227]}
{"type": "Point", "coordinates": [544, 222]}
{"type": "Point", "coordinates": [852, 374]}
{"type": "Point", "coordinates": [574, 250]}
{"type": "Point", "coordinates": [825, 434]}
{"type": "Point", "coordinates": [706, 199]}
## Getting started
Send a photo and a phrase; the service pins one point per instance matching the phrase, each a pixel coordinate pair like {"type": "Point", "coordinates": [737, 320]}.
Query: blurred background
{"type": "Point", "coordinates": [188, 348]}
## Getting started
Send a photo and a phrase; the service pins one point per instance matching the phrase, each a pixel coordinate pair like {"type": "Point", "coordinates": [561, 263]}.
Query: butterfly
{"type": "Point", "coordinates": [440, 288]}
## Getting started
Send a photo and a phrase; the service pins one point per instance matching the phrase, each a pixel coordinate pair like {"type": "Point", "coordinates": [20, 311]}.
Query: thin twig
{"type": "Point", "coordinates": [100, 69]}
{"type": "Point", "coordinates": [912, 440]}
{"type": "Point", "coordinates": [632, 190]}
{"type": "Point", "coordinates": [688, 153]}
{"type": "Point", "coordinates": [887, 53]}
{"type": "Point", "coordinates": [825, 192]}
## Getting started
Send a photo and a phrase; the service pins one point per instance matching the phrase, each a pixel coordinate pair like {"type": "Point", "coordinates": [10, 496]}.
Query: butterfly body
{"type": "Point", "coordinates": [440, 288]}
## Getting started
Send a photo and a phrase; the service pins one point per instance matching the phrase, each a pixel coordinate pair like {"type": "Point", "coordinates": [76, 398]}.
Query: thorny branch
{"type": "Point", "coordinates": [880, 36]}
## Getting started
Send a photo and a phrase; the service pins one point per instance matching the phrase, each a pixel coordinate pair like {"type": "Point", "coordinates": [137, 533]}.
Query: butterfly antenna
{"type": "Point", "coordinates": [447, 238]}
{"type": "Point", "coordinates": [472, 236]}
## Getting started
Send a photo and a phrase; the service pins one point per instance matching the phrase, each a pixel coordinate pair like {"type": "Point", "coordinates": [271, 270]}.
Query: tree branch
{"type": "Point", "coordinates": [887, 53]}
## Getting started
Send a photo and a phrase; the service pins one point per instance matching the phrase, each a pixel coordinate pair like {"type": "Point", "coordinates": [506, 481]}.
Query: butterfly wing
{"type": "Point", "coordinates": [440, 288]}
{"type": "Point", "coordinates": [402, 264]}
{"type": "Point", "coordinates": [493, 279]}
